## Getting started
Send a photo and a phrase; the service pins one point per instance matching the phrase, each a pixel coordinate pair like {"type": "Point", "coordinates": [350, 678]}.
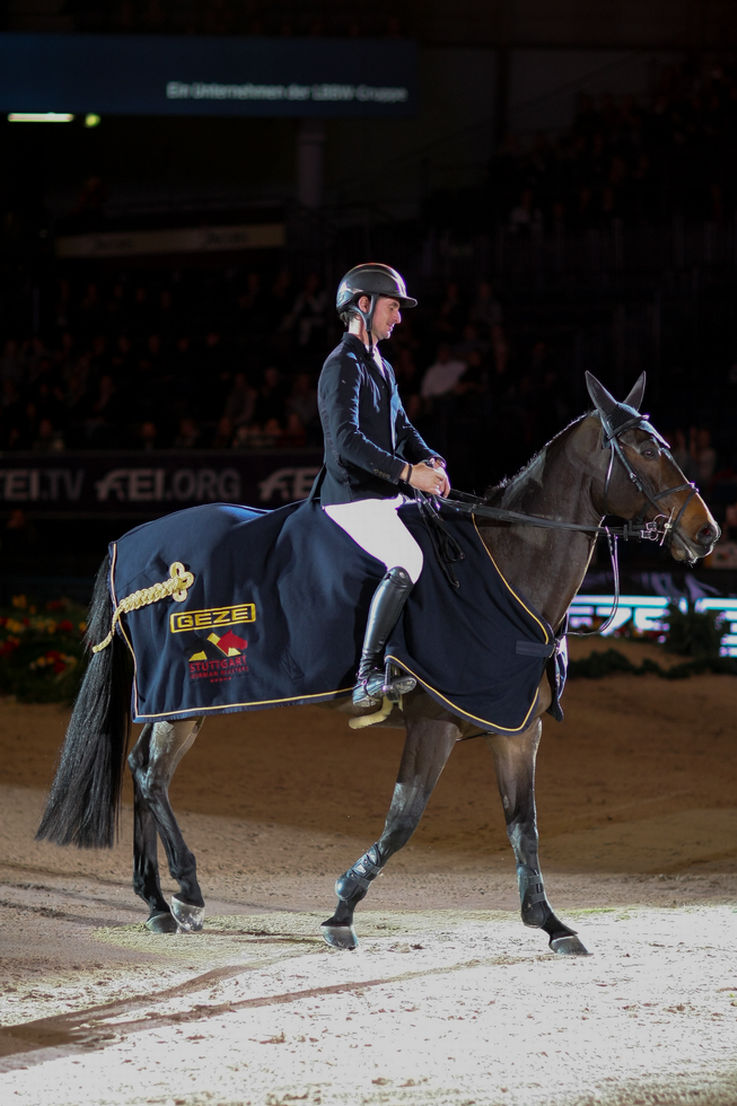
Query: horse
{"type": "Point", "coordinates": [540, 528]}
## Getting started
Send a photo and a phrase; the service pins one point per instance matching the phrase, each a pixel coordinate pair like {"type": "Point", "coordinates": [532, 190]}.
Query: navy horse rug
{"type": "Point", "coordinates": [227, 608]}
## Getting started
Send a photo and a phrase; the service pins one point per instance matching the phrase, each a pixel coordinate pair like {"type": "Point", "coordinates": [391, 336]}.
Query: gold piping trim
{"type": "Point", "coordinates": [465, 713]}
{"type": "Point", "coordinates": [509, 587]}
{"type": "Point", "coordinates": [255, 704]}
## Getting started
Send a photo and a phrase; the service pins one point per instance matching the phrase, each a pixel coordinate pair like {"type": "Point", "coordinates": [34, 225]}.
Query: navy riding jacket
{"type": "Point", "coordinates": [368, 436]}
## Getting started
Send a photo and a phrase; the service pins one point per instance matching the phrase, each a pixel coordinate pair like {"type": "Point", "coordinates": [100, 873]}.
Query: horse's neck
{"type": "Point", "coordinates": [547, 565]}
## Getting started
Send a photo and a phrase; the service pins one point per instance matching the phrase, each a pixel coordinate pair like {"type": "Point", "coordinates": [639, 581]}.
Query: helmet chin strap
{"type": "Point", "coordinates": [368, 318]}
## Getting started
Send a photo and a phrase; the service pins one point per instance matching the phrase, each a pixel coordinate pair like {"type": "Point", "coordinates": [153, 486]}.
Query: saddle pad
{"type": "Point", "coordinates": [276, 609]}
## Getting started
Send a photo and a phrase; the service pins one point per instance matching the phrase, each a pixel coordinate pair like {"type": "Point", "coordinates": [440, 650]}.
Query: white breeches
{"type": "Point", "coordinates": [375, 525]}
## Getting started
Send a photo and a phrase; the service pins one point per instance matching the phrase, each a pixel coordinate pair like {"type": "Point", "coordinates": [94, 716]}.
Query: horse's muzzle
{"type": "Point", "coordinates": [693, 548]}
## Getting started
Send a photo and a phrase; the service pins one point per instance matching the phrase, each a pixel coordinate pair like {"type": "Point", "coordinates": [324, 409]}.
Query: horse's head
{"type": "Point", "coordinates": [643, 483]}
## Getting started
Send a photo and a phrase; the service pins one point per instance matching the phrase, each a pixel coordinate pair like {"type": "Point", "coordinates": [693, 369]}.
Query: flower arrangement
{"type": "Point", "coordinates": [41, 649]}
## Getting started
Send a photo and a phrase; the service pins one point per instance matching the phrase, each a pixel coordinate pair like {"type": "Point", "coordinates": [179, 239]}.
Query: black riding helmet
{"type": "Point", "coordinates": [370, 279]}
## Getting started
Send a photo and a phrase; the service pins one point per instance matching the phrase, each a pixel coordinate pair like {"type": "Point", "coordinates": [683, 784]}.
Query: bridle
{"type": "Point", "coordinates": [613, 428]}
{"type": "Point", "coordinates": [660, 529]}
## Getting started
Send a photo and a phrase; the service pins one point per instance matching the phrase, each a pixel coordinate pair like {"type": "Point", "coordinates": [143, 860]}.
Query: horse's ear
{"type": "Point", "coordinates": [634, 399]}
{"type": "Point", "coordinates": [606, 403]}
{"type": "Point", "coordinates": [603, 401]}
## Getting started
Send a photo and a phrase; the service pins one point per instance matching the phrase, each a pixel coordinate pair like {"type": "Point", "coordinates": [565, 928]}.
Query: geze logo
{"type": "Point", "coordinates": [214, 616]}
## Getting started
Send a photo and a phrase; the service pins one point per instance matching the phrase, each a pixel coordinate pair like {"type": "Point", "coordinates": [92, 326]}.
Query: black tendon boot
{"type": "Point", "coordinates": [386, 607]}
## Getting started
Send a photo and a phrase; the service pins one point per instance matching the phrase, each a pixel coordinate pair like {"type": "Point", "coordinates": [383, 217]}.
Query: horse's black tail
{"type": "Point", "coordinates": [84, 802]}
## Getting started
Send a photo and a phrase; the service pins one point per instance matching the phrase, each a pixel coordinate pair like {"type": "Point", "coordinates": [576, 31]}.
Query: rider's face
{"type": "Point", "coordinates": [387, 315]}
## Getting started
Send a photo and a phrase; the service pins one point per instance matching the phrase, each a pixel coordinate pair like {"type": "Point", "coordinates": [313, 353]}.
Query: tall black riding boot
{"type": "Point", "coordinates": [386, 607]}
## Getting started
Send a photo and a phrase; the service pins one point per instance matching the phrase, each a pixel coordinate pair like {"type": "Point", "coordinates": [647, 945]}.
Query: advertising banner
{"type": "Point", "coordinates": [145, 485]}
{"type": "Point", "coordinates": [207, 75]}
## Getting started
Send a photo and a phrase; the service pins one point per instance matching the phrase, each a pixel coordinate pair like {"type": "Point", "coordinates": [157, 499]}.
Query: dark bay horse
{"type": "Point", "coordinates": [540, 528]}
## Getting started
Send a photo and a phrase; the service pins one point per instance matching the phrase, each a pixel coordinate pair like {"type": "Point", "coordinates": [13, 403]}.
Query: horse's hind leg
{"type": "Point", "coordinates": [426, 751]}
{"type": "Point", "coordinates": [153, 761]}
{"type": "Point", "coordinates": [514, 759]}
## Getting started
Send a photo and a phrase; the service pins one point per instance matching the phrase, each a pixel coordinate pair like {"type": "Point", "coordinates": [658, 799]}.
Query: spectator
{"type": "Point", "coordinates": [270, 402]}
{"type": "Point", "coordinates": [408, 382]}
{"type": "Point", "coordinates": [442, 376]}
{"type": "Point", "coordinates": [48, 438]}
{"type": "Point", "coordinates": [703, 456]}
{"type": "Point", "coordinates": [485, 310]}
{"type": "Point", "coordinates": [450, 313]}
{"type": "Point", "coordinates": [147, 436]}
{"type": "Point", "coordinates": [681, 452]}
{"type": "Point", "coordinates": [122, 358]}
{"type": "Point", "coordinates": [301, 410]}
{"type": "Point", "coordinates": [224, 434]}
{"type": "Point", "coordinates": [13, 424]}
{"type": "Point", "coordinates": [11, 362]}
{"type": "Point", "coordinates": [189, 433]}
{"type": "Point", "coordinates": [105, 415]}
{"type": "Point", "coordinates": [240, 401]}
{"type": "Point", "coordinates": [249, 315]}
{"type": "Point", "coordinates": [307, 318]}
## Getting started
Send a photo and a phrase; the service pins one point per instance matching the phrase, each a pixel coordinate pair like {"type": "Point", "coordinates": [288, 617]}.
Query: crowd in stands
{"type": "Point", "coordinates": [232, 363]}
{"type": "Point", "coordinates": [201, 359]}
{"type": "Point", "coordinates": [638, 159]}
{"type": "Point", "coordinates": [149, 365]}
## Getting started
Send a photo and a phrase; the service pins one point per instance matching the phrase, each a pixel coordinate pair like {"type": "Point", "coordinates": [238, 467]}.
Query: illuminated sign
{"type": "Point", "coordinates": [136, 484]}
{"type": "Point", "coordinates": [648, 614]}
{"type": "Point", "coordinates": [207, 75]}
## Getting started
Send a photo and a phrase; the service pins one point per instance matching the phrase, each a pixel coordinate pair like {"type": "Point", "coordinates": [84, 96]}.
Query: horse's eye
{"type": "Point", "coordinates": [649, 451]}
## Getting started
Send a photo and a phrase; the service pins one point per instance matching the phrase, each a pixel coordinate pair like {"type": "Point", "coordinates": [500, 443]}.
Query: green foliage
{"type": "Point", "coordinates": [693, 633]}
{"type": "Point", "coordinates": [41, 650]}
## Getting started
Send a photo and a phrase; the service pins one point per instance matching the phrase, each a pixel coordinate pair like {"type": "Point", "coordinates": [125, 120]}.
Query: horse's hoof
{"type": "Point", "coordinates": [189, 918]}
{"type": "Point", "coordinates": [340, 937]}
{"type": "Point", "coordinates": [569, 946]}
{"type": "Point", "coordinates": [161, 923]}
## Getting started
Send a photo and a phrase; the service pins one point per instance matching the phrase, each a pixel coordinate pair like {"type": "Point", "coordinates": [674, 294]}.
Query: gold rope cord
{"type": "Point", "coordinates": [175, 587]}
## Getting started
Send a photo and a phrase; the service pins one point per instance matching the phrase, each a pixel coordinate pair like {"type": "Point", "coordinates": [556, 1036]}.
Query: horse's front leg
{"type": "Point", "coordinates": [514, 759]}
{"type": "Point", "coordinates": [153, 761]}
{"type": "Point", "coordinates": [426, 750]}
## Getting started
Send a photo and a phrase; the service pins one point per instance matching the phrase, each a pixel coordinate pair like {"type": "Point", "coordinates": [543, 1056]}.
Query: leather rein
{"type": "Point", "coordinates": [659, 529]}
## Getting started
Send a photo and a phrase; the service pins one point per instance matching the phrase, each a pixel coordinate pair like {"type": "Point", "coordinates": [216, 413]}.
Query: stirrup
{"type": "Point", "coordinates": [369, 689]}
{"type": "Point", "coordinates": [375, 685]}
{"type": "Point", "coordinates": [397, 683]}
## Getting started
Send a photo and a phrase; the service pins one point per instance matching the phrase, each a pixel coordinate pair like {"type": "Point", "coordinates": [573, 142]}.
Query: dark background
{"type": "Point", "coordinates": [575, 158]}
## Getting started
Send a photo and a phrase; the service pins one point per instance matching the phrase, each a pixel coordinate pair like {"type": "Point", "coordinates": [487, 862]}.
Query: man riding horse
{"type": "Point", "coordinates": [373, 457]}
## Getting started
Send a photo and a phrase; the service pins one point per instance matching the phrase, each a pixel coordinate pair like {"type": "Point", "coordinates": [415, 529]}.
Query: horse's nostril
{"type": "Point", "coordinates": [708, 534]}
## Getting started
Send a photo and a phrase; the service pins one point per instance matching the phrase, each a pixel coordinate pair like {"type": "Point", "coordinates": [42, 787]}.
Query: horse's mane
{"type": "Point", "coordinates": [495, 492]}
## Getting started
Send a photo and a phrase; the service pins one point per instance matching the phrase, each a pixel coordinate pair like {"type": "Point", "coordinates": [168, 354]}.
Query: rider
{"type": "Point", "coordinates": [373, 456]}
